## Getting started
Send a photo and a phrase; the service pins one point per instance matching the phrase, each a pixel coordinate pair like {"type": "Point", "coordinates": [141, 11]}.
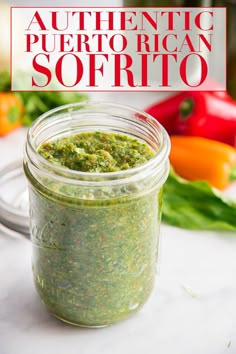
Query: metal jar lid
{"type": "Point", "coordinates": [14, 204]}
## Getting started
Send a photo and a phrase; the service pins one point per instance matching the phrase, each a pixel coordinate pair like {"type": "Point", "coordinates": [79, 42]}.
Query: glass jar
{"type": "Point", "coordinates": [95, 235]}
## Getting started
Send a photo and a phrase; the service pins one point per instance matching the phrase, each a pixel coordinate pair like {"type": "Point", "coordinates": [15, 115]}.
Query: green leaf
{"type": "Point", "coordinates": [38, 102]}
{"type": "Point", "coordinates": [197, 206]}
{"type": "Point", "coordinates": [13, 114]}
{"type": "Point", "coordinates": [5, 81]}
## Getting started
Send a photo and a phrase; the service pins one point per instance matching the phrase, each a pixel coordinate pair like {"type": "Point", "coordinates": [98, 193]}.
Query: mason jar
{"type": "Point", "coordinates": [95, 235]}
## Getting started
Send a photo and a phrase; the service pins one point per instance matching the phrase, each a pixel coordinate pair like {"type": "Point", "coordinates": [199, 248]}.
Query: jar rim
{"type": "Point", "coordinates": [74, 176]}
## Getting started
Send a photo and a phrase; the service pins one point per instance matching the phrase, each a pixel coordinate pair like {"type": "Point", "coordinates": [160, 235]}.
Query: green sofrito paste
{"type": "Point", "coordinates": [97, 152]}
{"type": "Point", "coordinates": [94, 252]}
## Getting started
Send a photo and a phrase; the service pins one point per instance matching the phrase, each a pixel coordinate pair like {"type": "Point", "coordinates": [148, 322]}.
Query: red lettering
{"type": "Point", "coordinates": [31, 39]}
{"type": "Point", "coordinates": [41, 69]}
{"type": "Point", "coordinates": [93, 69]}
{"type": "Point", "coordinates": [187, 26]}
{"type": "Point", "coordinates": [150, 20]}
{"type": "Point", "coordinates": [118, 69]}
{"type": "Point", "coordinates": [99, 20]}
{"type": "Point", "coordinates": [55, 21]}
{"type": "Point", "coordinates": [59, 70]}
{"type": "Point", "coordinates": [187, 41]}
{"type": "Point", "coordinates": [82, 26]}
{"type": "Point", "coordinates": [183, 70]}
{"type": "Point", "coordinates": [165, 67]}
{"type": "Point", "coordinates": [198, 21]}
{"type": "Point", "coordinates": [37, 20]}
{"type": "Point", "coordinates": [45, 43]}
{"type": "Point", "coordinates": [144, 70]}
{"type": "Point", "coordinates": [165, 43]}
{"type": "Point", "coordinates": [83, 39]}
{"type": "Point", "coordinates": [124, 19]}
{"type": "Point", "coordinates": [114, 39]}
{"type": "Point", "coordinates": [170, 15]}
{"type": "Point", "coordinates": [207, 43]}
{"type": "Point", "coordinates": [99, 40]}
{"type": "Point", "coordinates": [63, 41]}
{"type": "Point", "coordinates": [142, 40]}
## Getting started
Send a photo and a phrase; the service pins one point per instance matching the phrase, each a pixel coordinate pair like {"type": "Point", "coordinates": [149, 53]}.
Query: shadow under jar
{"type": "Point", "coordinates": [95, 235]}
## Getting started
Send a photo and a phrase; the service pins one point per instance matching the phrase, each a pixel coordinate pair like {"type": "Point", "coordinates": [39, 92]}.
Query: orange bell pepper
{"type": "Point", "coordinates": [11, 110]}
{"type": "Point", "coordinates": [195, 158]}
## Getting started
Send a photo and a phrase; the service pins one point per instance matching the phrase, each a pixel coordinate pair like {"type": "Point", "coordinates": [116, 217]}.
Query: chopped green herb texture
{"type": "Point", "coordinates": [97, 152]}
{"type": "Point", "coordinates": [94, 253]}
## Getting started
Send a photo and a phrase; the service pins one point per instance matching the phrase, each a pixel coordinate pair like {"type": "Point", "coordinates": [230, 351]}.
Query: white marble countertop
{"type": "Point", "coordinates": [191, 311]}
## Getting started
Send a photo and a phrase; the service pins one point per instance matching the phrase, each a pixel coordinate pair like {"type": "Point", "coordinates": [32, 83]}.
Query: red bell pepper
{"type": "Point", "coordinates": [168, 109]}
{"type": "Point", "coordinates": [207, 115]}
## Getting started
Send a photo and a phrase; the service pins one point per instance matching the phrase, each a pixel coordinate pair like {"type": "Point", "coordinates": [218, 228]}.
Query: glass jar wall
{"type": "Point", "coordinates": [95, 235]}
